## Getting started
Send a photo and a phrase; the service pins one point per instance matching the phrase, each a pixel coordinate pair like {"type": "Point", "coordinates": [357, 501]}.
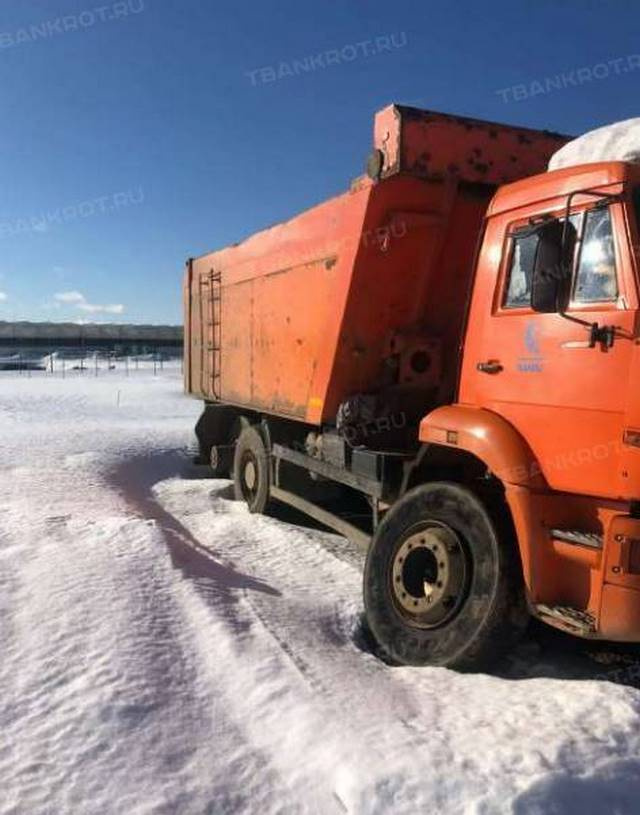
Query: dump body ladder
{"type": "Point", "coordinates": [210, 333]}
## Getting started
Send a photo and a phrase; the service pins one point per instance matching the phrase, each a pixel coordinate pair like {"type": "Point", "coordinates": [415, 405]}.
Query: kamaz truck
{"type": "Point", "coordinates": [455, 339]}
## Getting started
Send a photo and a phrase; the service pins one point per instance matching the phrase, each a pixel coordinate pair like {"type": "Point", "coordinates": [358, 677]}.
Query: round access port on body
{"type": "Point", "coordinates": [420, 361]}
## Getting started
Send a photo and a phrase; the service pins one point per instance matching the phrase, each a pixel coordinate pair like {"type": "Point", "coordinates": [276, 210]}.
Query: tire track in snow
{"type": "Point", "coordinates": [229, 616]}
{"type": "Point", "coordinates": [105, 704]}
{"type": "Point", "coordinates": [347, 685]}
{"type": "Point", "coordinates": [137, 681]}
{"type": "Point", "coordinates": [383, 713]}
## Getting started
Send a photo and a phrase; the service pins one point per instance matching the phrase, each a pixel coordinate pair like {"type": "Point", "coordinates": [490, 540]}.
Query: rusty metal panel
{"type": "Point", "coordinates": [188, 326]}
{"type": "Point", "coordinates": [289, 321]}
{"type": "Point", "coordinates": [437, 146]}
{"type": "Point", "coordinates": [282, 303]}
{"type": "Point", "coordinates": [321, 309]}
{"type": "Point", "coordinates": [408, 288]}
{"type": "Point", "coordinates": [236, 363]}
{"type": "Point", "coordinates": [195, 360]}
{"type": "Point", "coordinates": [336, 301]}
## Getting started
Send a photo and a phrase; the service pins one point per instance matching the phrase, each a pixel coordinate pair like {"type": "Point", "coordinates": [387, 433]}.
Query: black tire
{"type": "Point", "coordinates": [251, 470]}
{"type": "Point", "coordinates": [442, 530]}
{"type": "Point", "coordinates": [221, 460]}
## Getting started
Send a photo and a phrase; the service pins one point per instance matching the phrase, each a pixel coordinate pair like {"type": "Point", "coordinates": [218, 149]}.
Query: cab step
{"type": "Point", "coordinates": [568, 619]}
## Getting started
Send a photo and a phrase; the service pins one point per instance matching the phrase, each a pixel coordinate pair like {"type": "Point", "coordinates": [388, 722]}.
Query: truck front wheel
{"type": "Point", "coordinates": [440, 586]}
{"type": "Point", "coordinates": [251, 470]}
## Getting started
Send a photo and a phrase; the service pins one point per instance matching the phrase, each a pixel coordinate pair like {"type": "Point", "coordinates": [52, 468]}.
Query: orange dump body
{"type": "Point", "coordinates": [366, 292]}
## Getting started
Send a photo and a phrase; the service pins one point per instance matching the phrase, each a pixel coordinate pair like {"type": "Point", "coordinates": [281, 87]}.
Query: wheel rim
{"type": "Point", "coordinates": [429, 575]}
{"type": "Point", "coordinates": [250, 479]}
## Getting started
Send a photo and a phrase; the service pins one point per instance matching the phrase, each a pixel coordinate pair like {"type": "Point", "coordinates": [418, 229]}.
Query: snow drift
{"type": "Point", "coordinates": [616, 142]}
{"type": "Point", "coordinates": [164, 651]}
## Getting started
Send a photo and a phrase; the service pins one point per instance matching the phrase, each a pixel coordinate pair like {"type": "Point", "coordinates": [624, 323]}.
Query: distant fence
{"type": "Point", "coordinates": [63, 365]}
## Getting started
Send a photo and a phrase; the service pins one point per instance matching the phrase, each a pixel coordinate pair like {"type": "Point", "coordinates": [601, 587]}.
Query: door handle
{"type": "Point", "coordinates": [491, 366]}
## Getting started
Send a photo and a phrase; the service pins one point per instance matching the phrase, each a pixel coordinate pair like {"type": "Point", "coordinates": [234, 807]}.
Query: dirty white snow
{"type": "Point", "coordinates": [165, 652]}
{"type": "Point", "coordinates": [615, 142]}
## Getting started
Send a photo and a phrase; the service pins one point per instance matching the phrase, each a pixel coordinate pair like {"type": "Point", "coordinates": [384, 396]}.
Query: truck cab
{"type": "Point", "coordinates": [553, 390]}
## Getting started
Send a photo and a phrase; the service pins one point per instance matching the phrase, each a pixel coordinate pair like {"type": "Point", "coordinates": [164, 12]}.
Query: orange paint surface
{"type": "Point", "coordinates": [322, 307]}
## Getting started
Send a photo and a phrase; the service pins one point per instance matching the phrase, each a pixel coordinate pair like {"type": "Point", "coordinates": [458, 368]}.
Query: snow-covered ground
{"type": "Point", "coordinates": [164, 652]}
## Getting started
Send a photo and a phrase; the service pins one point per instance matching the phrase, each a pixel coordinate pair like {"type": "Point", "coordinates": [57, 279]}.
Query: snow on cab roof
{"type": "Point", "coordinates": [615, 142]}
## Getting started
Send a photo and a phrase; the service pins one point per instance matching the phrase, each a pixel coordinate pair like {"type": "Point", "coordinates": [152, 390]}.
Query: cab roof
{"type": "Point", "coordinates": [556, 183]}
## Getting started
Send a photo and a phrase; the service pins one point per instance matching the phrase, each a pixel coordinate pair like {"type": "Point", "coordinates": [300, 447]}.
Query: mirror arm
{"type": "Point", "coordinates": [604, 334]}
{"type": "Point", "coordinates": [609, 199]}
{"type": "Point", "coordinates": [575, 319]}
{"type": "Point", "coordinates": [567, 210]}
{"type": "Point", "coordinates": [597, 333]}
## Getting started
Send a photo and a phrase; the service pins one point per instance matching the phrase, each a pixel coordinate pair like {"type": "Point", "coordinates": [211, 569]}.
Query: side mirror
{"type": "Point", "coordinates": [550, 271]}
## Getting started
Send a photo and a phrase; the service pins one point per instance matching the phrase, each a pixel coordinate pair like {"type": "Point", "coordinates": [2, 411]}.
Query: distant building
{"type": "Point", "coordinates": [32, 340]}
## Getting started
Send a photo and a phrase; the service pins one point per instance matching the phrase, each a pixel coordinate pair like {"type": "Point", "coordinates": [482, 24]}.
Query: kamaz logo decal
{"type": "Point", "coordinates": [533, 363]}
{"type": "Point", "coordinates": [531, 339]}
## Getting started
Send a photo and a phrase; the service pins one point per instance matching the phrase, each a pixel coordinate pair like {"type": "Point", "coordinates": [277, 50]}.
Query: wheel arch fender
{"type": "Point", "coordinates": [487, 436]}
{"type": "Point", "coordinates": [498, 445]}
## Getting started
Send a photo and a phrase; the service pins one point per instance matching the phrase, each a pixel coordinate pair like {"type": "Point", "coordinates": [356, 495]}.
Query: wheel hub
{"type": "Point", "coordinates": [428, 575]}
{"type": "Point", "coordinates": [250, 474]}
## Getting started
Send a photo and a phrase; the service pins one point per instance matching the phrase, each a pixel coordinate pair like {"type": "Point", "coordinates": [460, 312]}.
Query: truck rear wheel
{"type": "Point", "coordinates": [440, 586]}
{"type": "Point", "coordinates": [220, 460]}
{"type": "Point", "coordinates": [251, 471]}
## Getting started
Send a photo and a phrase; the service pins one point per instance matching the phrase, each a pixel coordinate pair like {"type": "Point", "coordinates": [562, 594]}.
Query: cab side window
{"type": "Point", "coordinates": [523, 254]}
{"type": "Point", "coordinates": [595, 280]}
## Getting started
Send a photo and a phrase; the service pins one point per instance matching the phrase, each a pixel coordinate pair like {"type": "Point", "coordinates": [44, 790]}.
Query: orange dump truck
{"type": "Point", "coordinates": [453, 340]}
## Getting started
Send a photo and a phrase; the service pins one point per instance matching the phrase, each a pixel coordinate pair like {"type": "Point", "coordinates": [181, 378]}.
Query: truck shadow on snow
{"type": "Point", "coordinates": [135, 479]}
{"type": "Point", "coordinates": [544, 651]}
{"type": "Point", "coordinates": [547, 652]}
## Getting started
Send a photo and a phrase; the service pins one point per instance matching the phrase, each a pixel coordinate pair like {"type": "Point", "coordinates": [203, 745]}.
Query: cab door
{"type": "Point", "coordinates": [565, 395]}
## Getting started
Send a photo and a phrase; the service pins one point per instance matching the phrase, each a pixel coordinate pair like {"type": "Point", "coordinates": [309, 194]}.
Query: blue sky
{"type": "Point", "coordinates": [137, 133]}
